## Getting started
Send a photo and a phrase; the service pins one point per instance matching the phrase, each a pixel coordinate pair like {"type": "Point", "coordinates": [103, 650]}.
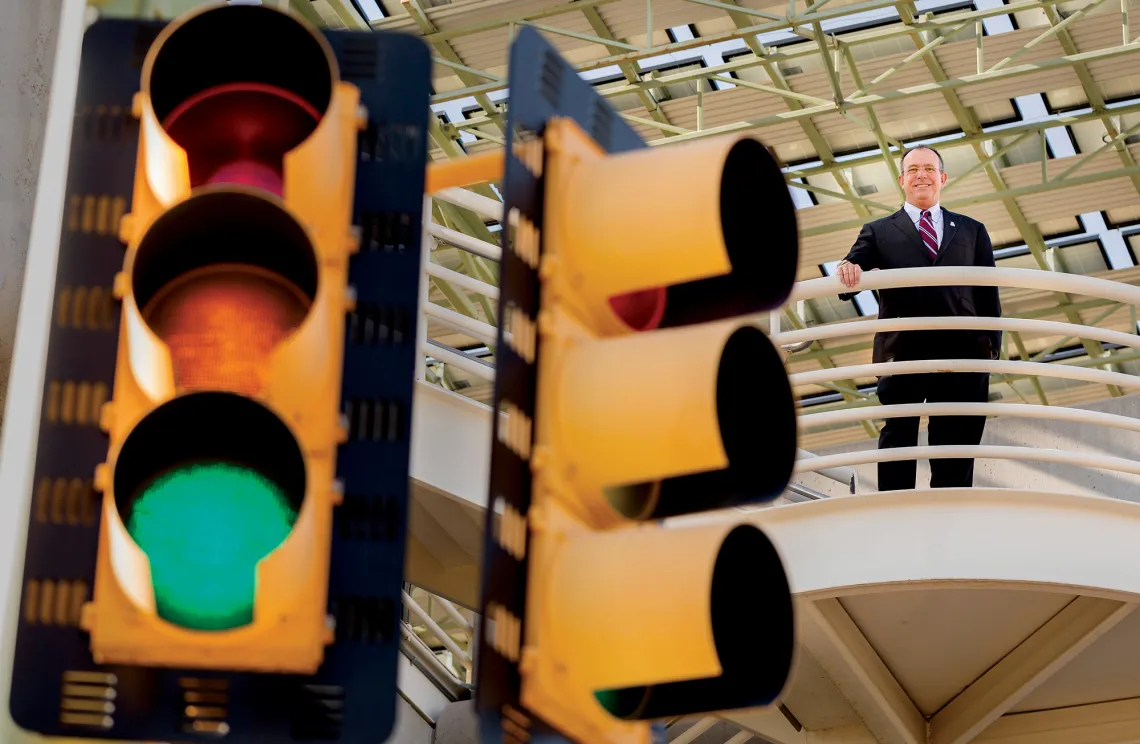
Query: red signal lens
{"type": "Point", "coordinates": [641, 311]}
{"type": "Point", "coordinates": [239, 133]}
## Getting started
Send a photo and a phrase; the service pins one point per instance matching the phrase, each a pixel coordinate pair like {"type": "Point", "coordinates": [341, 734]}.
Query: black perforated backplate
{"type": "Point", "coordinates": [352, 697]}
{"type": "Point", "coordinates": [542, 86]}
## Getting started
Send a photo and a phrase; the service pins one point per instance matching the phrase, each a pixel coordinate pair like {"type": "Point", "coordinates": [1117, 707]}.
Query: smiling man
{"type": "Point", "coordinates": [922, 233]}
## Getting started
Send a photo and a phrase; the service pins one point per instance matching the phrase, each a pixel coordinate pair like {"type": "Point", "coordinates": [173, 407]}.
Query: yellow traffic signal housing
{"type": "Point", "coordinates": [617, 613]}
{"type": "Point", "coordinates": [225, 415]}
{"type": "Point", "coordinates": [634, 388]}
{"type": "Point", "coordinates": [187, 571]}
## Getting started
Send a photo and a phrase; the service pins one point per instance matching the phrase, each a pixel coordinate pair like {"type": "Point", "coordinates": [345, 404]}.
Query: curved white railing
{"type": "Point", "coordinates": [1018, 325]}
{"type": "Point", "coordinates": [478, 329]}
{"type": "Point", "coordinates": [447, 653]}
{"type": "Point", "coordinates": [473, 327]}
{"type": "Point", "coordinates": [969, 276]}
{"type": "Point", "coordinates": [1017, 410]}
{"type": "Point", "coordinates": [993, 366]}
{"type": "Point", "coordinates": [976, 276]}
{"type": "Point", "coordinates": [839, 466]}
{"type": "Point", "coordinates": [1004, 452]}
{"type": "Point", "coordinates": [1046, 335]}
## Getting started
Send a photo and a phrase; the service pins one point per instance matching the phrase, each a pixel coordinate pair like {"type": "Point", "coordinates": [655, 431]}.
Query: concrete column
{"type": "Point", "coordinates": [27, 49]}
{"type": "Point", "coordinates": [457, 724]}
{"type": "Point", "coordinates": [27, 57]}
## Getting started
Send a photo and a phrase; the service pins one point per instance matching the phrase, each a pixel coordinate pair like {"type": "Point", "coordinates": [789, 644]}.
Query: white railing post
{"type": "Point", "coordinates": [426, 245]}
{"type": "Point", "coordinates": [844, 475]}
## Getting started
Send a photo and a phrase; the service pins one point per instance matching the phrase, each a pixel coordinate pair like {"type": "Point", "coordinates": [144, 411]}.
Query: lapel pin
{"type": "Point", "coordinates": [951, 224]}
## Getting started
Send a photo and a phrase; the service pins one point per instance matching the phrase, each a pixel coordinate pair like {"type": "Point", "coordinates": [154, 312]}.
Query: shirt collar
{"type": "Point", "coordinates": [915, 213]}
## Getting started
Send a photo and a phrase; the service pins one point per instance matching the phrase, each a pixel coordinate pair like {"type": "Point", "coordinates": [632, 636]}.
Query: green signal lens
{"type": "Point", "coordinates": [204, 528]}
{"type": "Point", "coordinates": [626, 703]}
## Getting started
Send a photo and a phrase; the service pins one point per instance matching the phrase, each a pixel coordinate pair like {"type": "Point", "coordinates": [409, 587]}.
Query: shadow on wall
{"type": "Point", "coordinates": [27, 52]}
{"type": "Point", "coordinates": [1040, 434]}
{"type": "Point", "coordinates": [1069, 436]}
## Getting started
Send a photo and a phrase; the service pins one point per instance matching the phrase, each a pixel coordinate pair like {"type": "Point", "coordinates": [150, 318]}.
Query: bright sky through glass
{"type": "Point", "coordinates": [1032, 108]}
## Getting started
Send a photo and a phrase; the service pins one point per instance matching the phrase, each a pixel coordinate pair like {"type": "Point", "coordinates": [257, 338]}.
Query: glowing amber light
{"type": "Point", "coordinates": [222, 322]}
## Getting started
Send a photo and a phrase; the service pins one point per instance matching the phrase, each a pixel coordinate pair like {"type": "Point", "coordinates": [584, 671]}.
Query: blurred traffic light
{"type": "Point", "coordinates": [225, 410]}
{"type": "Point", "coordinates": [633, 388]}
{"type": "Point", "coordinates": [276, 177]}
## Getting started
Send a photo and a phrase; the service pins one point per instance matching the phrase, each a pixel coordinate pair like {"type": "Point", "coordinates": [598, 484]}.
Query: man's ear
{"type": "Point", "coordinates": [943, 178]}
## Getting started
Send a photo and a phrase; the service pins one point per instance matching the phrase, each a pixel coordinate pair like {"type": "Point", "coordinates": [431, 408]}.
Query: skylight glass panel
{"type": "Point", "coordinates": [370, 9]}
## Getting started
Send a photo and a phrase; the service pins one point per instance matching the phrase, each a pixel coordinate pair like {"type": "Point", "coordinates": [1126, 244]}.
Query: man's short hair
{"type": "Point", "coordinates": [908, 151]}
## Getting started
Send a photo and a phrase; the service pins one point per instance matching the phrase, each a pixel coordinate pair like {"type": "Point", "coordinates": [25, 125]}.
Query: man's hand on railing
{"type": "Point", "coordinates": [850, 273]}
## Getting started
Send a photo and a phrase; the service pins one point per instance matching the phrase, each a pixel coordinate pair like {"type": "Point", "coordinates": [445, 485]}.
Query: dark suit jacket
{"type": "Point", "coordinates": [894, 243]}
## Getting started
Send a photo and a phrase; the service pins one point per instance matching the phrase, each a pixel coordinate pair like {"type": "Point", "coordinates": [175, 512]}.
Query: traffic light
{"type": "Point", "coordinates": [240, 446]}
{"type": "Point", "coordinates": [224, 417]}
{"type": "Point", "coordinates": [632, 388]}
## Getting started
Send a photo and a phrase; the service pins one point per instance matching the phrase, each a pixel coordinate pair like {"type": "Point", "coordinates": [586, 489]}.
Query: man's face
{"type": "Point", "coordinates": [921, 178]}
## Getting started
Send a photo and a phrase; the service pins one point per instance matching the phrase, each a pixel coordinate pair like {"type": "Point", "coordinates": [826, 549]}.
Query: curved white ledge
{"type": "Point", "coordinates": [1021, 325]}
{"type": "Point", "coordinates": [916, 539]}
{"type": "Point", "coordinates": [1013, 410]}
{"type": "Point", "coordinates": [992, 366]}
{"type": "Point", "coordinates": [451, 444]}
{"type": "Point", "coordinates": [997, 452]}
{"type": "Point", "coordinates": [965, 276]}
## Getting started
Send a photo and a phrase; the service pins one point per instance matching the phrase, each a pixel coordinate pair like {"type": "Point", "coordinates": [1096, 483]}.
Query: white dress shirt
{"type": "Point", "coordinates": [915, 215]}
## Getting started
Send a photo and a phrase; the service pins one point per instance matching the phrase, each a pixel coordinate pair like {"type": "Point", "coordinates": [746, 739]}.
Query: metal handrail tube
{"type": "Point", "coordinates": [456, 358]}
{"type": "Point", "coordinates": [462, 280]}
{"type": "Point", "coordinates": [1013, 410]}
{"type": "Point", "coordinates": [837, 467]}
{"type": "Point", "coordinates": [426, 246]}
{"type": "Point", "coordinates": [430, 658]}
{"type": "Point", "coordinates": [465, 241]}
{"type": "Point", "coordinates": [978, 276]}
{"type": "Point", "coordinates": [485, 332]}
{"type": "Point", "coordinates": [805, 493]}
{"type": "Point", "coordinates": [1020, 325]}
{"type": "Point", "coordinates": [436, 631]}
{"type": "Point", "coordinates": [691, 734]}
{"type": "Point", "coordinates": [452, 611]}
{"type": "Point", "coordinates": [740, 738]}
{"type": "Point", "coordinates": [485, 207]}
{"type": "Point", "coordinates": [992, 366]}
{"type": "Point", "coordinates": [975, 451]}
{"type": "Point", "coordinates": [410, 636]}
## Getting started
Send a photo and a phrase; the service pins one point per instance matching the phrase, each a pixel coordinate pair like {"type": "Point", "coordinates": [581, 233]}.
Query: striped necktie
{"type": "Point", "coordinates": [929, 236]}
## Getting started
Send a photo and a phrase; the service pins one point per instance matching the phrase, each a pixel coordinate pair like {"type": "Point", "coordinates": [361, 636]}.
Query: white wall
{"type": "Point", "coordinates": [410, 727]}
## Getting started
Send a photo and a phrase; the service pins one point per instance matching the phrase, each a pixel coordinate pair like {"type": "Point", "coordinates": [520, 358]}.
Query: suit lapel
{"type": "Point", "coordinates": [902, 221]}
{"type": "Point", "coordinates": [950, 223]}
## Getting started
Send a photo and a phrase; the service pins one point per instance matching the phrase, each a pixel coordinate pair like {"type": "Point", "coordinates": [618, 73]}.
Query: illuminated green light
{"type": "Point", "coordinates": [625, 703]}
{"type": "Point", "coordinates": [609, 700]}
{"type": "Point", "coordinates": [204, 527]}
